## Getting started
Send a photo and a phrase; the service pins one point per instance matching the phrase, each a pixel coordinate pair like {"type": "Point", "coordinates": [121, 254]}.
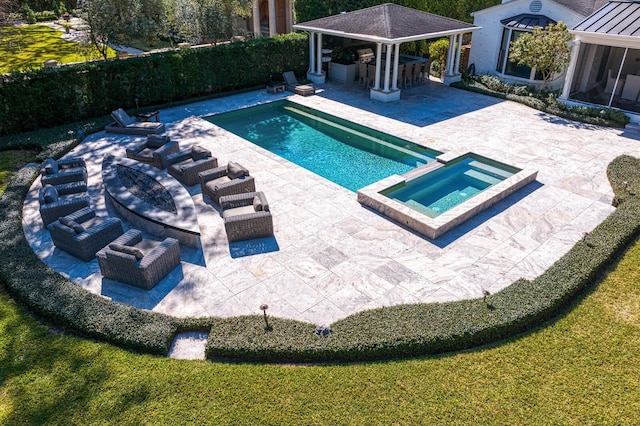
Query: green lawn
{"type": "Point", "coordinates": [27, 47]}
{"type": "Point", "coordinates": [581, 369]}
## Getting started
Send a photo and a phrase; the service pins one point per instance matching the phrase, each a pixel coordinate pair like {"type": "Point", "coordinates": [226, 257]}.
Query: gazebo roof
{"type": "Point", "coordinates": [387, 23]}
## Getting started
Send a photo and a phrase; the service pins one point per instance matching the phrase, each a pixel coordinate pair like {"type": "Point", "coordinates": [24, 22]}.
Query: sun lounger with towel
{"type": "Point", "coordinates": [292, 85]}
{"type": "Point", "coordinates": [126, 124]}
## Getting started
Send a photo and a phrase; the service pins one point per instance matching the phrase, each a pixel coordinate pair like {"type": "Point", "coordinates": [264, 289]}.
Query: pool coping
{"type": "Point", "coordinates": [371, 196]}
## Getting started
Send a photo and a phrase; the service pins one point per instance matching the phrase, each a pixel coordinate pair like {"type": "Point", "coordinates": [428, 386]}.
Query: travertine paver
{"type": "Point", "coordinates": [331, 257]}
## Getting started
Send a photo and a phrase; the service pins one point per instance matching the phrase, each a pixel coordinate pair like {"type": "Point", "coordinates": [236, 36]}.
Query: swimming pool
{"type": "Point", "coordinates": [346, 153]}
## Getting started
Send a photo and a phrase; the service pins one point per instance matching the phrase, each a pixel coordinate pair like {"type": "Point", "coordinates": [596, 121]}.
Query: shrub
{"type": "Point", "coordinates": [438, 51]}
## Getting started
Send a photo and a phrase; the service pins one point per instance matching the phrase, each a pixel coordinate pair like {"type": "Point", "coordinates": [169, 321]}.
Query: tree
{"type": "Point", "coordinates": [547, 50]}
{"type": "Point", "coordinates": [6, 8]}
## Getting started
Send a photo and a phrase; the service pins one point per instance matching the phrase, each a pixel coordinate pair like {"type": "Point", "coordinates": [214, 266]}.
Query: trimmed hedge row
{"type": "Point", "coordinates": [399, 331]}
{"type": "Point", "coordinates": [52, 96]}
{"type": "Point", "coordinates": [584, 114]}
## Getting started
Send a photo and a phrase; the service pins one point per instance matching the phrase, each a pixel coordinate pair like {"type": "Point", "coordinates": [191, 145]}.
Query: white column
{"type": "Point", "coordinates": [319, 54]}
{"type": "Point", "coordinates": [387, 69]}
{"type": "Point", "coordinates": [256, 18]}
{"type": "Point", "coordinates": [396, 59]}
{"type": "Point", "coordinates": [456, 66]}
{"type": "Point", "coordinates": [450, 56]}
{"type": "Point", "coordinates": [568, 78]}
{"type": "Point", "coordinates": [312, 57]}
{"type": "Point", "coordinates": [376, 85]}
{"type": "Point", "coordinates": [272, 18]}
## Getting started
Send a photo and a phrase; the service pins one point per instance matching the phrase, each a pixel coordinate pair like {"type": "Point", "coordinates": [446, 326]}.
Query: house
{"type": "Point", "coordinates": [271, 17]}
{"type": "Point", "coordinates": [504, 23]}
{"type": "Point", "coordinates": [605, 61]}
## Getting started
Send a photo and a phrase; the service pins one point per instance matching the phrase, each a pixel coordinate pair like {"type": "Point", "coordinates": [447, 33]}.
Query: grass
{"type": "Point", "coordinates": [27, 47]}
{"type": "Point", "coordinates": [580, 369]}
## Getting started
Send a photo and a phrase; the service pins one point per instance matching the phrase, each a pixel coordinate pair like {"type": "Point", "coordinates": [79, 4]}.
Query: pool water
{"type": "Point", "coordinates": [348, 154]}
{"type": "Point", "coordinates": [448, 186]}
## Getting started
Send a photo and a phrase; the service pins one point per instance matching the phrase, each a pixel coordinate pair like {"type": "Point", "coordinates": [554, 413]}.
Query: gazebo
{"type": "Point", "coordinates": [387, 25]}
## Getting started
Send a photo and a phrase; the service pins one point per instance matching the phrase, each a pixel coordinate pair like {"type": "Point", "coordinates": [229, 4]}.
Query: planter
{"type": "Point", "coordinates": [342, 73]}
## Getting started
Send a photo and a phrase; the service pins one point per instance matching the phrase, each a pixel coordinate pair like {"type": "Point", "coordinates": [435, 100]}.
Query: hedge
{"type": "Point", "coordinates": [385, 333]}
{"type": "Point", "coordinates": [52, 96]}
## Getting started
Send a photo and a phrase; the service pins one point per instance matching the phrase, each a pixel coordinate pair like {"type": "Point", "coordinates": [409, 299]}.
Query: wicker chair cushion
{"type": "Point", "coordinates": [156, 141]}
{"type": "Point", "coordinates": [257, 204]}
{"type": "Point", "coordinates": [146, 153]}
{"type": "Point", "coordinates": [49, 167]}
{"type": "Point", "coordinates": [50, 194]}
{"type": "Point", "coordinates": [199, 153]}
{"type": "Point", "coordinates": [237, 211]}
{"type": "Point", "coordinates": [77, 228]}
{"type": "Point", "coordinates": [235, 170]}
{"type": "Point", "coordinates": [127, 249]}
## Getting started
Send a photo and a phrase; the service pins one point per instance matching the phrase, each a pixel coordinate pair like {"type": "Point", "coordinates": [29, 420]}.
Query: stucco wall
{"type": "Point", "coordinates": [485, 43]}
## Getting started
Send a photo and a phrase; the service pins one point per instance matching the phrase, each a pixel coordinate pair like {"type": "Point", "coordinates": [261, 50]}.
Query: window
{"type": "Point", "coordinates": [507, 67]}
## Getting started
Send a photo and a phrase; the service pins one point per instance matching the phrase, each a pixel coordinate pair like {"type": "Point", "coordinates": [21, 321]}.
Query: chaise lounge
{"type": "Point", "coordinates": [226, 180]}
{"type": "Point", "coordinates": [292, 85]}
{"type": "Point", "coordinates": [82, 234]}
{"type": "Point", "coordinates": [153, 151]}
{"type": "Point", "coordinates": [125, 124]}
{"type": "Point", "coordinates": [139, 262]}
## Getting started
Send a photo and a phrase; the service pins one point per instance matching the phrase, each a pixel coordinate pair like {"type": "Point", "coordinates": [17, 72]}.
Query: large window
{"type": "Point", "coordinates": [506, 66]}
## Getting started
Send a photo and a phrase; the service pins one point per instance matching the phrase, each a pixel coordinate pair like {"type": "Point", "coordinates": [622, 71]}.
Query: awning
{"type": "Point", "coordinates": [526, 21]}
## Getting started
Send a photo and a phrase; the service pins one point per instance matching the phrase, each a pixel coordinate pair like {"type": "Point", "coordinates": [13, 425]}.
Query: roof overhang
{"type": "Point", "coordinates": [383, 40]}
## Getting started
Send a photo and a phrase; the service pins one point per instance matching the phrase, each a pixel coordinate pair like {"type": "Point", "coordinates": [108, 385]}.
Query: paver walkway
{"type": "Point", "coordinates": [332, 257]}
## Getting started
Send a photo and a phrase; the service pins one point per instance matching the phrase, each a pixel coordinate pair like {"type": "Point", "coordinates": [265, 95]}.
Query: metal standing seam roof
{"type": "Point", "coordinates": [387, 23]}
{"type": "Point", "coordinates": [527, 21]}
{"type": "Point", "coordinates": [619, 18]}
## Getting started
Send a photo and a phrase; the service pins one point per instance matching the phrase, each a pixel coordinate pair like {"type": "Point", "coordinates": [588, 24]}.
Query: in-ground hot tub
{"type": "Point", "coordinates": [439, 196]}
{"type": "Point", "coordinates": [151, 199]}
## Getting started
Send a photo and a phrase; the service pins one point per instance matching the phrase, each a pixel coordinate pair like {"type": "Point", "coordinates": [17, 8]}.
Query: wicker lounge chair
{"type": "Point", "coordinates": [226, 180]}
{"type": "Point", "coordinates": [186, 164]}
{"type": "Point", "coordinates": [139, 262]}
{"type": "Point", "coordinates": [82, 234]}
{"type": "Point", "coordinates": [63, 171]}
{"type": "Point", "coordinates": [246, 216]}
{"type": "Point", "coordinates": [61, 200]}
{"type": "Point", "coordinates": [153, 151]}
{"type": "Point", "coordinates": [292, 85]}
{"type": "Point", "coordinates": [125, 124]}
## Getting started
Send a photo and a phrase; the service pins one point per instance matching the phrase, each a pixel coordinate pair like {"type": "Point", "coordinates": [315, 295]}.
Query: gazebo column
{"type": "Point", "coordinates": [571, 69]}
{"type": "Point", "coordinates": [386, 94]}
{"type": "Point", "coordinates": [272, 18]}
{"type": "Point", "coordinates": [456, 65]}
{"type": "Point", "coordinates": [451, 73]}
{"type": "Point", "coordinates": [376, 83]}
{"type": "Point", "coordinates": [315, 72]}
{"type": "Point", "coordinates": [396, 59]}
{"type": "Point", "coordinates": [256, 18]}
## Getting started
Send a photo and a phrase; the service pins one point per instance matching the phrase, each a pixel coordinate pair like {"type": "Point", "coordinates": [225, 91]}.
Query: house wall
{"type": "Point", "coordinates": [485, 43]}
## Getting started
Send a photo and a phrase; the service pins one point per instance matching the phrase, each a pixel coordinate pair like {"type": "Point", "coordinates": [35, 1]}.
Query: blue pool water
{"type": "Point", "coordinates": [446, 187]}
{"type": "Point", "coordinates": [350, 155]}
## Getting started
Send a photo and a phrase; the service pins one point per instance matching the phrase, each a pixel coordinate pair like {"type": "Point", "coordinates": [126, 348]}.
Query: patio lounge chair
{"type": "Point", "coordinates": [292, 85]}
{"type": "Point", "coordinates": [185, 165]}
{"type": "Point", "coordinates": [63, 171]}
{"type": "Point", "coordinates": [226, 180]}
{"type": "Point", "coordinates": [246, 216]}
{"type": "Point", "coordinates": [61, 200]}
{"type": "Point", "coordinates": [153, 151]}
{"type": "Point", "coordinates": [125, 124]}
{"type": "Point", "coordinates": [82, 234]}
{"type": "Point", "coordinates": [139, 262]}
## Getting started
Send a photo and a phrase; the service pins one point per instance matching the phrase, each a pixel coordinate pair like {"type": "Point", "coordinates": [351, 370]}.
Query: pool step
{"type": "Point", "coordinates": [483, 177]}
{"type": "Point", "coordinates": [422, 158]}
{"type": "Point", "coordinates": [496, 171]}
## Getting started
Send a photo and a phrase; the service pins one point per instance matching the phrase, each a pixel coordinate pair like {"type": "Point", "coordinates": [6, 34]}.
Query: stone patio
{"type": "Point", "coordinates": [331, 257]}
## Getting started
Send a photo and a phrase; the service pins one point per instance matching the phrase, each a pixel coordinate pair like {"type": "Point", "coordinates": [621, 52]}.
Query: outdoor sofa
{"type": "Point", "coordinates": [82, 234]}
{"type": "Point", "coordinates": [61, 200]}
{"type": "Point", "coordinates": [139, 262]}
{"type": "Point", "coordinates": [226, 180]}
{"type": "Point", "coordinates": [246, 216]}
{"type": "Point", "coordinates": [57, 172]}
{"type": "Point", "coordinates": [185, 164]}
{"type": "Point", "coordinates": [153, 150]}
